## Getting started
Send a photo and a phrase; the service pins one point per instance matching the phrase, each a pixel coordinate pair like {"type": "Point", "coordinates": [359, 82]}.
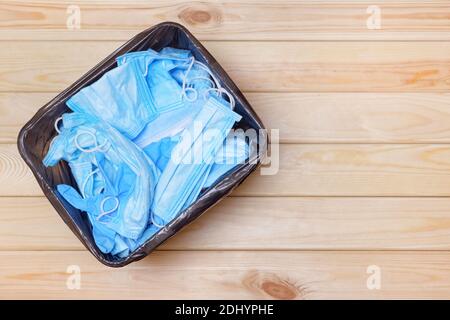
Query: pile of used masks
{"type": "Point", "coordinates": [142, 142]}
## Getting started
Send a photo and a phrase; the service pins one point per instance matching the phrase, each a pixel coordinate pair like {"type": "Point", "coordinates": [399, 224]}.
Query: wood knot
{"type": "Point", "coordinates": [272, 285]}
{"type": "Point", "coordinates": [279, 290]}
{"type": "Point", "coordinates": [200, 15]}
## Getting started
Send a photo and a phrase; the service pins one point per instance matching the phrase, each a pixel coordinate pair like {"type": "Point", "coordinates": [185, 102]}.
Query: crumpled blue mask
{"type": "Point", "coordinates": [124, 246]}
{"type": "Point", "coordinates": [128, 175]}
{"type": "Point", "coordinates": [167, 124]}
{"type": "Point", "coordinates": [173, 76]}
{"type": "Point", "coordinates": [165, 92]}
{"type": "Point", "coordinates": [183, 177]}
{"type": "Point", "coordinates": [121, 98]}
{"type": "Point", "coordinates": [160, 152]}
{"type": "Point", "coordinates": [234, 151]}
{"type": "Point", "coordinates": [184, 68]}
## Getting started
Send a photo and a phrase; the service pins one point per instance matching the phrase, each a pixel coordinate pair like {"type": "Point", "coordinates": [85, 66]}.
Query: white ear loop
{"type": "Point", "coordinates": [185, 88]}
{"type": "Point", "coordinates": [102, 204]}
{"type": "Point", "coordinates": [153, 220]}
{"type": "Point", "coordinates": [184, 84]}
{"type": "Point", "coordinates": [96, 148]}
{"type": "Point", "coordinates": [190, 89]}
{"type": "Point", "coordinates": [83, 187]}
{"type": "Point", "coordinates": [57, 123]}
{"type": "Point", "coordinates": [219, 89]}
{"type": "Point", "coordinates": [204, 67]}
{"type": "Point", "coordinates": [91, 174]}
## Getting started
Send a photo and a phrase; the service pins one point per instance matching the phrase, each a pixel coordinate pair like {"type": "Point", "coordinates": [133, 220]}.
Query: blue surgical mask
{"type": "Point", "coordinates": [173, 76]}
{"type": "Point", "coordinates": [121, 98]}
{"type": "Point", "coordinates": [165, 92]}
{"type": "Point", "coordinates": [168, 124]}
{"type": "Point", "coordinates": [181, 181]}
{"type": "Point", "coordinates": [234, 151]}
{"type": "Point", "coordinates": [129, 245]}
{"type": "Point", "coordinates": [129, 177]}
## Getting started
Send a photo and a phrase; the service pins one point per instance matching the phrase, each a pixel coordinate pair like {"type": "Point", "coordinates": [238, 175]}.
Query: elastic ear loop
{"type": "Point", "coordinates": [102, 204]}
{"type": "Point", "coordinates": [57, 130]}
{"type": "Point", "coordinates": [204, 67]}
{"type": "Point", "coordinates": [218, 88]}
{"type": "Point", "coordinates": [152, 218]}
{"type": "Point", "coordinates": [57, 123]}
{"type": "Point", "coordinates": [91, 174]}
{"type": "Point", "coordinates": [96, 148]}
{"type": "Point", "coordinates": [220, 91]}
{"type": "Point", "coordinates": [195, 90]}
{"type": "Point", "coordinates": [191, 63]}
{"type": "Point", "coordinates": [190, 89]}
{"type": "Point", "coordinates": [184, 88]}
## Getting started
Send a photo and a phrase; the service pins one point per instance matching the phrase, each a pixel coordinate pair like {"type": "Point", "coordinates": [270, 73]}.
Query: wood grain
{"type": "Point", "coordinates": [356, 170]}
{"type": "Point", "coordinates": [364, 176]}
{"type": "Point", "coordinates": [228, 20]}
{"type": "Point", "coordinates": [355, 117]}
{"type": "Point", "coordinates": [228, 275]}
{"type": "Point", "coordinates": [305, 117]}
{"type": "Point", "coordinates": [256, 67]}
{"type": "Point", "coordinates": [237, 224]}
{"type": "Point", "coordinates": [15, 175]}
{"type": "Point", "coordinates": [310, 170]}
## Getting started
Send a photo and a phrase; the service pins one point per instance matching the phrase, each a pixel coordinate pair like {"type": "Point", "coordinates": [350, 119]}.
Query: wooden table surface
{"type": "Point", "coordinates": [362, 192]}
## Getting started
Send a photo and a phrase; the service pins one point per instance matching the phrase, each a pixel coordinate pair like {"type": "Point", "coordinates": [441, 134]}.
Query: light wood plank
{"type": "Point", "coordinates": [228, 20]}
{"type": "Point", "coordinates": [16, 108]}
{"type": "Point", "coordinates": [16, 174]}
{"type": "Point", "coordinates": [228, 275]}
{"type": "Point", "coordinates": [48, 66]}
{"type": "Point", "coordinates": [305, 117]}
{"type": "Point", "coordinates": [356, 170]}
{"type": "Point", "coordinates": [236, 224]}
{"type": "Point", "coordinates": [310, 170]}
{"type": "Point", "coordinates": [355, 117]}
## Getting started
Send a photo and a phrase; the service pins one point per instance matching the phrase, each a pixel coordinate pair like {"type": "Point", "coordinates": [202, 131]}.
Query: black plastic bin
{"type": "Point", "coordinates": [35, 137]}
